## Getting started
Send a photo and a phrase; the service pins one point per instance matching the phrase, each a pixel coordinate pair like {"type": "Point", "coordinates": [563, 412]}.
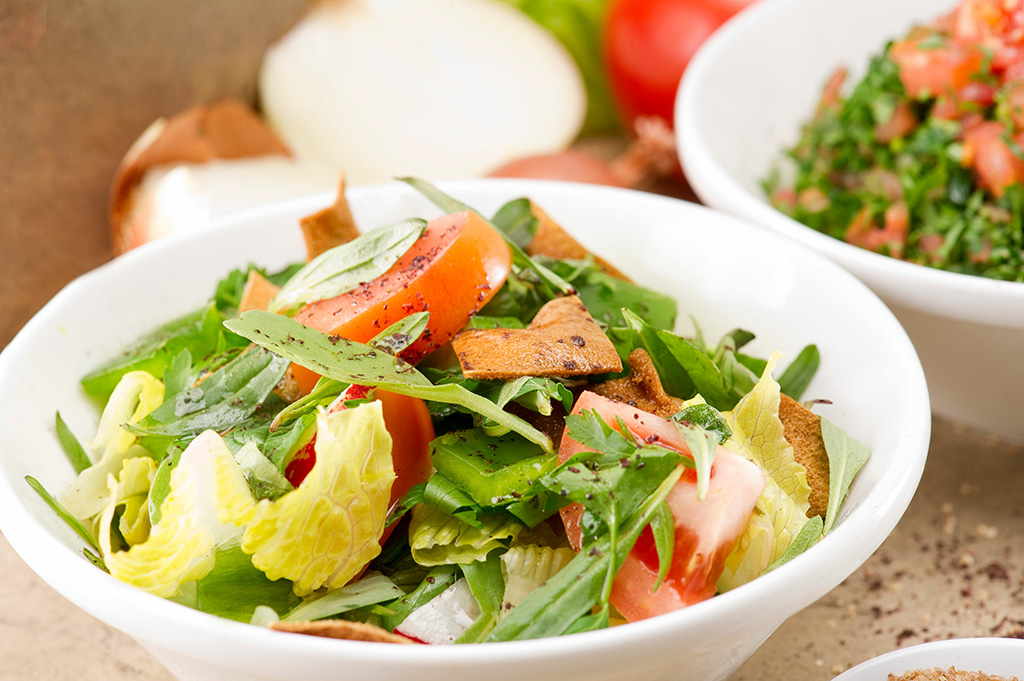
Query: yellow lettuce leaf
{"type": "Point", "coordinates": [207, 490]}
{"type": "Point", "coordinates": [437, 538]}
{"type": "Point", "coordinates": [136, 394]}
{"type": "Point", "coordinates": [323, 532]}
{"type": "Point", "coordinates": [781, 510]}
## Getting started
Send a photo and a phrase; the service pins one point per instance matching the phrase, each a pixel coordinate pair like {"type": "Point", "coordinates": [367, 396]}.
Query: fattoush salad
{"type": "Point", "coordinates": [463, 430]}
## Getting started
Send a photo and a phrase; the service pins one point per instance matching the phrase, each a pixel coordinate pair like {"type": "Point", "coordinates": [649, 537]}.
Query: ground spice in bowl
{"type": "Point", "coordinates": [951, 674]}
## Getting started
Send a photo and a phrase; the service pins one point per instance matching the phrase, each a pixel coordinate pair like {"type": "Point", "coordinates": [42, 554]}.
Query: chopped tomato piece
{"type": "Point", "coordinates": [935, 69]}
{"type": "Point", "coordinates": [705, 530]}
{"type": "Point", "coordinates": [452, 270]}
{"type": "Point", "coordinates": [987, 150]}
{"type": "Point", "coordinates": [901, 123]}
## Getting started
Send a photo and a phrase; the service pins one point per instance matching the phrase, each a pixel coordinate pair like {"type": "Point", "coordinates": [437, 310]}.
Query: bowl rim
{"type": "Point", "coordinates": [918, 656]}
{"type": "Point", "coordinates": [819, 569]}
{"type": "Point", "coordinates": [954, 295]}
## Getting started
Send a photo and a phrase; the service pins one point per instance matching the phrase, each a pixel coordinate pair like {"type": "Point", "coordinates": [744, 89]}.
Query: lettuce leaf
{"type": "Point", "coordinates": [135, 396]}
{"type": "Point", "coordinates": [527, 567]}
{"type": "Point", "coordinates": [781, 512]}
{"type": "Point", "coordinates": [207, 490]}
{"type": "Point", "coordinates": [323, 532]}
{"type": "Point", "coordinates": [437, 538]}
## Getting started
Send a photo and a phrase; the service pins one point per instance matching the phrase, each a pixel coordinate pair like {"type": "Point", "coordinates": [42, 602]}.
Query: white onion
{"type": "Point", "coordinates": [433, 88]}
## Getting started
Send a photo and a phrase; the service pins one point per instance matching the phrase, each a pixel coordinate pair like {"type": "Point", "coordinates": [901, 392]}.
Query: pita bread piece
{"type": "Point", "coordinates": [802, 430]}
{"type": "Point", "coordinates": [343, 629]}
{"type": "Point", "coordinates": [563, 340]}
{"type": "Point", "coordinates": [330, 227]}
{"type": "Point", "coordinates": [552, 240]}
{"type": "Point", "coordinates": [641, 388]}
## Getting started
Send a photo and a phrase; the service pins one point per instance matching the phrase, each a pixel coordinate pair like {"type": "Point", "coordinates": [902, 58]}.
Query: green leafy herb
{"type": "Point", "coordinates": [517, 221]}
{"type": "Point", "coordinates": [556, 606]}
{"type": "Point", "coordinates": [62, 512]}
{"type": "Point", "coordinates": [350, 362]}
{"type": "Point", "coordinates": [226, 398]}
{"type": "Point", "coordinates": [798, 374]}
{"type": "Point", "coordinates": [846, 457]}
{"type": "Point", "coordinates": [488, 587]}
{"type": "Point", "coordinates": [72, 447]}
{"type": "Point", "coordinates": [401, 334]}
{"type": "Point", "coordinates": [663, 527]}
{"type": "Point", "coordinates": [344, 267]}
{"type": "Point", "coordinates": [708, 418]}
{"type": "Point", "coordinates": [436, 581]}
{"type": "Point", "coordinates": [370, 589]}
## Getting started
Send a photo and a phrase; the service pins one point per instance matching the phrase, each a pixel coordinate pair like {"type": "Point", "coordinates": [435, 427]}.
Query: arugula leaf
{"type": "Point", "coordinates": [488, 586]}
{"type": "Point", "coordinates": [401, 334]}
{"type": "Point", "coordinates": [809, 535]}
{"type": "Point", "coordinates": [612, 480]}
{"type": "Point", "coordinates": [226, 398]}
{"type": "Point", "coordinates": [351, 362]}
{"type": "Point", "coordinates": [235, 587]}
{"type": "Point", "coordinates": [412, 497]}
{"type": "Point", "coordinates": [520, 260]}
{"type": "Point", "coordinates": [371, 588]}
{"type": "Point", "coordinates": [437, 580]}
{"type": "Point", "coordinates": [72, 447]}
{"type": "Point", "coordinates": [62, 512]}
{"type": "Point", "coordinates": [553, 608]}
{"type": "Point", "coordinates": [445, 495]}
{"type": "Point", "coordinates": [517, 221]}
{"type": "Point", "coordinates": [798, 374]}
{"type": "Point", "coordinates": [265, 480]}
{"type": "Point", "coordinates": [663, 527]}
{"type": "Point", "coordinates": [707, 417]}
{"type": "Point", "coordinates": [703, 445]}
{"type": "Point", "coordinates": [846, 457]}
{"type": "Point", "coordinates": [344, 267]}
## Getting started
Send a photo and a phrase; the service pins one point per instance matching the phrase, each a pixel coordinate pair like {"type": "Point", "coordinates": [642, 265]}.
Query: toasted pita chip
{"type": "Point", "coordinates": [257, 294]}
{"type": "Point", "coordinates": [641, 388]}
{"type": "Point", "coordinates": [225, 130]}
{"type": "Point", "coordinates": [330, 227]}
{"type": "Point", "coordinates": [343, 629]}
{"type": "Point", "coordinates": [562, 340]}
{"type": "Point", "coordinates": [802, 430]}
{"type": "Point", "coordinates": [552, 240]}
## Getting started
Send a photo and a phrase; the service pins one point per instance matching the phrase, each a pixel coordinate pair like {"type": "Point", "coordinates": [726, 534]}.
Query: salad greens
{"type": "Point", "coordinates": [209, 484]}
{"type": "Point", "coordinates": [920, 175]}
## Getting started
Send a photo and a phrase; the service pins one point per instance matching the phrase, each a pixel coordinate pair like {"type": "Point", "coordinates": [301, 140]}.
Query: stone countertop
{"type": "Point", "coordinates": [952, 568]}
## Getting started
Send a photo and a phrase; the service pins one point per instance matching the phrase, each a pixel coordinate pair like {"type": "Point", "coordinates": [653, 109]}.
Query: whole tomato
{"type": "Point", "coordinates": [647, 45]}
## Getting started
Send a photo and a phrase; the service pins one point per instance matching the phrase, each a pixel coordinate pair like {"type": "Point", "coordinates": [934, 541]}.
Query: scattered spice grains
{"type": "Point", "coordinates": [951, 674]}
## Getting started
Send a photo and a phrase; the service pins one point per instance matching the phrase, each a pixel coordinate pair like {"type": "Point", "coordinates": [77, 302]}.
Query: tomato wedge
{"type": "Point", "coordinates": [452, 270]}
{"type": "Point", "coordinates": [705, 530]}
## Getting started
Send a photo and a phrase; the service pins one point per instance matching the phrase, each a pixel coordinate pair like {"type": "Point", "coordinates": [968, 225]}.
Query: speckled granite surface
{"type": "Point", "coordinates": [953, 568]}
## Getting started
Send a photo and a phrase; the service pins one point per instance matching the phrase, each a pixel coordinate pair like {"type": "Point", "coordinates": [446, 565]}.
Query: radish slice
{"type": "Point", "coordinates": [444, 618]}
{"type": "Point", "coordinates": [429, 88]}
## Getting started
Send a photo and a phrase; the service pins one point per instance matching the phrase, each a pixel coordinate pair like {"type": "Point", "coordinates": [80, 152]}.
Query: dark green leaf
{"type": "Point", "coordinates": [234, 587]}
{"type": "Point", "coordinates": [225, 399]}
{"type": "Point", "coordinates": [350, 362]}
{"type": "Point", "coordinates": [439, 579]}
{"type": "Point", "coordinates": [517, 221]}
{"type": "Point", "coordinates": [798, 374]}
{"type": "Point", "coordinates": [72, 447]}
{"type": "Point", "coordinates": [663, 527]}
{"type": "Point", "coordinates": [344, 267]}
{"type": "Point", "coordinates": [62, 512]}
{"type": "Point", "coordinates": [708, 418]}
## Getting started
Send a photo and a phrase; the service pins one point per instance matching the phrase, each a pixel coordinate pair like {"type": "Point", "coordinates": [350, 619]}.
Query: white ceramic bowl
{"type": "Point", "coordinates": [744, 99]}
{"type": "Point", "coordinates": [998, 656]}
{"type": "Point", "coordinates": [725, 273]}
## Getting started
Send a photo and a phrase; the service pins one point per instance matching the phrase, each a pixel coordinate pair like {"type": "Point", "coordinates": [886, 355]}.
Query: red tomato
{"type": "Point", "coordinates": [705, 530]}
{"type": "Point", "coordinates": [452, 270]}
{"type": "Point", "coordinates": [647, 45]}
{"type": "Point", "coordinates": [935, 69]}
{"type": "Point", "coordinates": [986, 150]}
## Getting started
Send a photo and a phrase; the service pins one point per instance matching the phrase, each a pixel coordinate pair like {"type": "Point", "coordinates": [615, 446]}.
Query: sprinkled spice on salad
{"type": "Point", "coordinates": [924, 159]}
{"type": "Point", "coordinates": [453, 431]}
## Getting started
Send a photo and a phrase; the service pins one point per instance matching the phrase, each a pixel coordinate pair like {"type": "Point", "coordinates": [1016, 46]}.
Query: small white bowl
{"type": "Point", "coordinates": [744, 99]}
{"type": "Point", "coordinates": [726, 273]}
{"type": "Point", "coordinates": [998, 656]}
